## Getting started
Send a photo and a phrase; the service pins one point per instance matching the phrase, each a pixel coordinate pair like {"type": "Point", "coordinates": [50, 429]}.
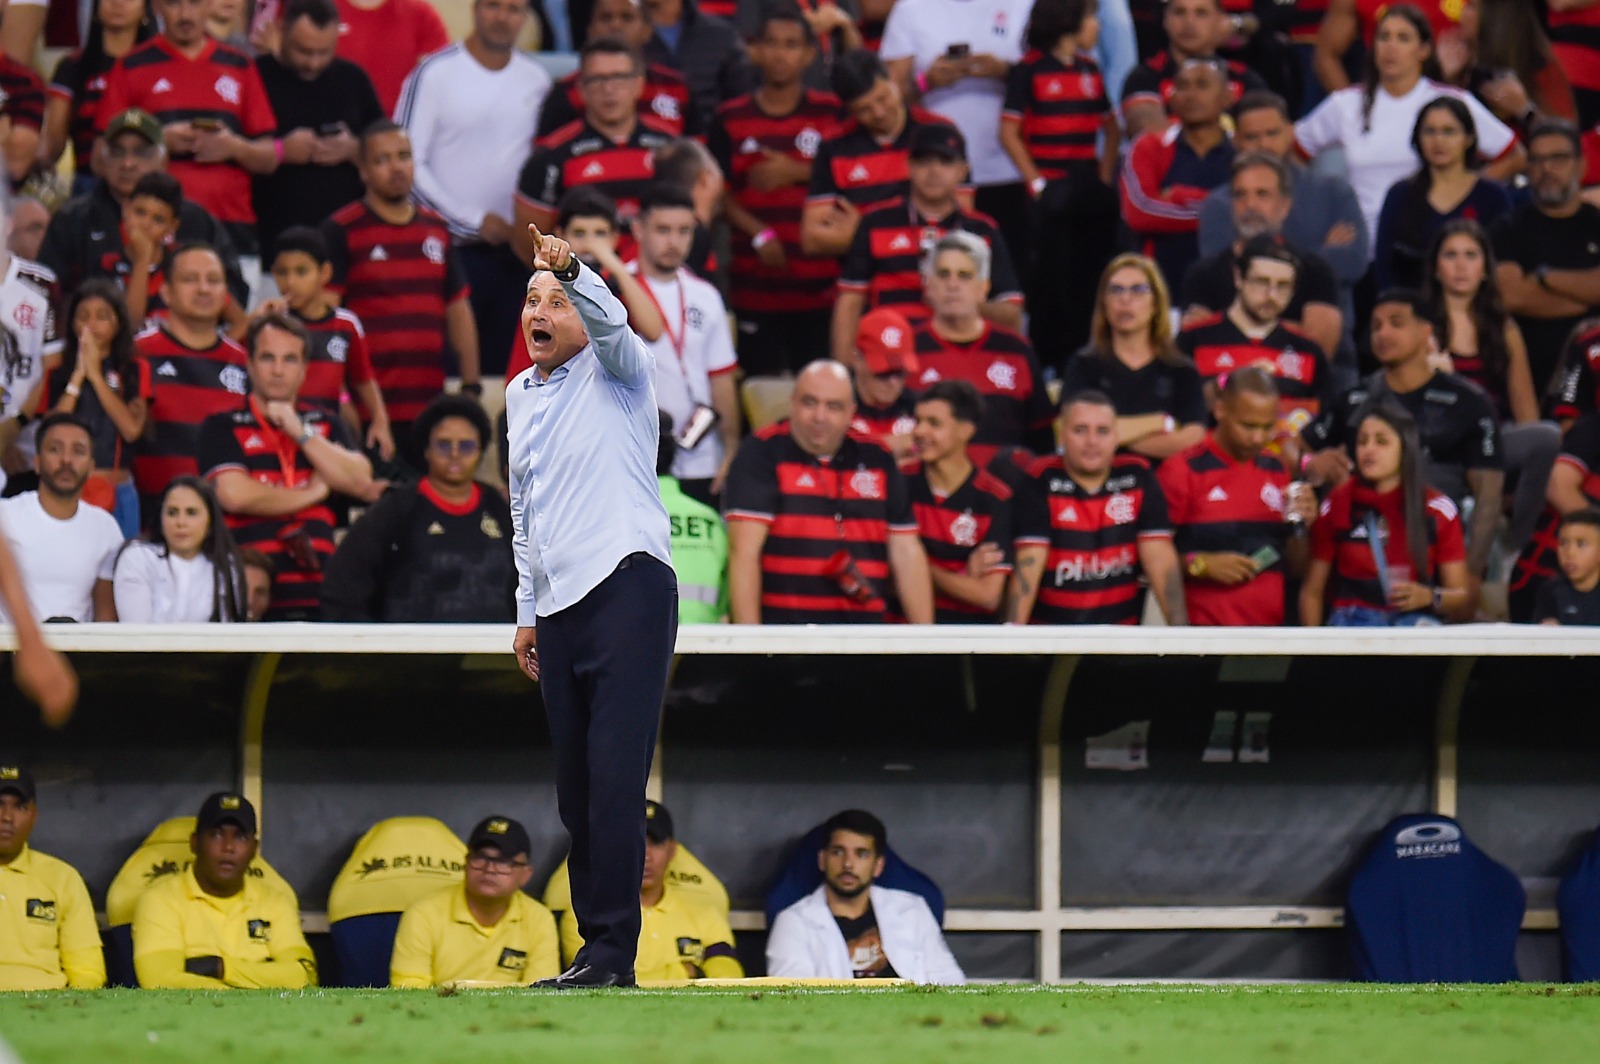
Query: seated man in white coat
{"type": "Point", "coordinates": [849, 928]}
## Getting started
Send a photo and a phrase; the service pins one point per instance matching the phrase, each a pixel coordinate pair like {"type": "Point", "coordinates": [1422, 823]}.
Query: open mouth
{"type": "Point", "coordinates": [541, 336]}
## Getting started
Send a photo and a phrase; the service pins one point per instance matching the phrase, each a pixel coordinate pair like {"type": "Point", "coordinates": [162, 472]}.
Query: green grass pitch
{"type": "Point", "coordinates": [1189, 1024]}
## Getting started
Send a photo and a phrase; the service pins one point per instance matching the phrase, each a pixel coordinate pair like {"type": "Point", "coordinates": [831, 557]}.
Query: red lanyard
{"type": "Point", "coordinates": [682, 337]}
{"type": "Point", "coordinates": [288, 451]}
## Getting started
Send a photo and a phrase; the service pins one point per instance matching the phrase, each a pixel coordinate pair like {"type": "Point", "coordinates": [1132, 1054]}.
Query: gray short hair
{"type": "Point", "coordinates": [972, 245]}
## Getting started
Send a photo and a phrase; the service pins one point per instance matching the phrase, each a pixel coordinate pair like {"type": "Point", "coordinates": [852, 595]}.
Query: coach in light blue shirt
{"type": "Point", "coordinates": [597, 600]}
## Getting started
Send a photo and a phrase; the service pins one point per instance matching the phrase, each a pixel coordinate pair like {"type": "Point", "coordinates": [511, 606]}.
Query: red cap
{"type": "Point", "coordinates": [884, 339]}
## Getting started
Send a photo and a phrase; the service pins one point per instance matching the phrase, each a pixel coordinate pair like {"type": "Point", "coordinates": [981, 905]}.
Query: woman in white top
{"type": "Point", "coordinates": [191, 573]}
{"type": "Point", "coordinates": [1373, 121]}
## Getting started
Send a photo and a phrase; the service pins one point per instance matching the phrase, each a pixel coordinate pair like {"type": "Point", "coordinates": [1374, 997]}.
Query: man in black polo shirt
{"type": "Point", "coordinates": [1458, 425]}
{"type": "Point", "coordinates": [819, 521]}
{"type": "Point", "coordinates": [867, 161]}
{"type": "Point", "coordinates": [1548, 250]}
{"type": "Point", "coordinates": [884, 266]}
{"type": "Point", "coordinates": [274, 464]}
{"type": "Point", "coordinates": [1262, 192]}
{"type": "Point", "coordinates": [322, 103]}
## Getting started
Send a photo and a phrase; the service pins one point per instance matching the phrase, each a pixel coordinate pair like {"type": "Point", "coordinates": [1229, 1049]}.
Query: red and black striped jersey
{"type": "Point", "coordinates": [243, 441]}
{"type": "Point", "coordinates": [1061, 108]}
{"type": "Point", "coordinates": [187, 385]}
{"type": "Point", "coordinates": [741, 137]}
{"type": "Point", "coordinates": [1302, 19]}
{"type": "Point", "coordinates": [1342, 537]}
{"type": "Point", "coordinates": [885, 256]}
{"type": "Point", "coordinates": [665, 99]}
{"type": "Point", "coordinates": [24, 94]}
{"type": "Point", "coordinates": [854, 165]}
{"type": "Point", "coordinates": [1580, 369]}
{"type": "Point", "coordinates": [878, 423]}
{"type": "Point", "coordinates": [578, 154]}
{"type": "Point", "coordinates": [819, 514]}
{"type": "Point", "coordinates": [1001, 364]}
{"type": "Point", "coordinates": [1575, 40]}
{"type": "Point", "coordinates": [724, 9]}
{"type": "Point", "coordinates": [1092, 566]}
{"type": "Point", "coordinates": [1218, 503]}
{"type": "Point", "coordinates": [82, 88]}
{"type": "Point", "coordinates": [1443, 15]}
{"type": "Point", "coordinates": [338, 359]}
{"type": "Point", "coordinates": [221, 85]}
{"type": "Point", "coordinates": [1305, 384]}
{"type": "Point", "coordinates": [1580, 450]}
{"type": "Point", "coordinates": [1152, 80]}
{"type": "Point", "coordinates": [952, 526]}
{"type": "Point", "coordinates": [398, 279]}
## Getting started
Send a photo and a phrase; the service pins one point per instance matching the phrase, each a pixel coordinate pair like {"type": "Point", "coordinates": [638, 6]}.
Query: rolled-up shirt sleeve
{"type": "Point", "coordinates": [619, 350]}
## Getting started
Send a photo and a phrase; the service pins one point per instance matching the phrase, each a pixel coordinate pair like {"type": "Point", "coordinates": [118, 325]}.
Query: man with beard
{"type": "Point", "coordinates": [1548, 251]}
{"type": "Point", "coordinates": [1263, 196]}
{"type": "Point", "coordinates": [848, 927]}
{"type": "Point", "coordinates": [214, 926]}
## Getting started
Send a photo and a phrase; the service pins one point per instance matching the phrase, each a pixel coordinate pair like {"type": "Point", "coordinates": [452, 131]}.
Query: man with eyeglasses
{"type": "Point", "coordinates": [84, 238]}
{"type": "Point", "coordinates": [611, 147]}
{"type": "Point", "coordinates": [483, 930]}
{"type": "Point", "coordinates": [439, 553]}
{"type": "Point", "coordinates": [666, 93]}
{"type": "Point", "coordinates": [1253, 332]}
{"type": "Point", "coordinates": [1548, 250]}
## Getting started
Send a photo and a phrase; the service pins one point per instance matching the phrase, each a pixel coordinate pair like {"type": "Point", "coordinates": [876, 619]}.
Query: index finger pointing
{"type": "Point", "coordinates": [533, 231]}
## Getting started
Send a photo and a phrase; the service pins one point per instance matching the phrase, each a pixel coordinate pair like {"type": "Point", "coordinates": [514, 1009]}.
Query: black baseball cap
{"type": "Point", "coordinates": [501, 832]}
{"type": "Point", "coordinates": [226, 807]}
{"type": "Point", "coordinates": [939, 140]}
{"type": "Point", "coordinates": [17, 780]}
{"type": "Point", "coordinates": [657, 822]}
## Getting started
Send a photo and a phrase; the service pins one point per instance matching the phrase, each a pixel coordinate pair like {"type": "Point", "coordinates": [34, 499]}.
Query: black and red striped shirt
{"type": "Point", "coordinates": [24, 94]}
{"type": "Point", "coordinates": [219, 84]}
{"type": "Point", "coordinates": [1580, 450]}
{"type": "Point", "coordinates": [1305, 385]}
{"type": "Point", "coordinates": [81, 86]}
{"type": "Point", "coordinates": [1061, 108]}
{"type": "Point", "coordinates": [1002, 366]}
{"type": "Point", "coordinates": [243, 441]}
{"type": "Point", "coordinates": [1575, 40]}
{"type": "Point", "coordinates": [1580, 369]}
{"type": "Point", "coordinates": [854, 165]}
{"type": "Point", "coordinates": [953, 526]}
{"type": "Point", "coordinates": [739, 139]}
{"type": "Point", "coordinates": [1092, 568]}
{"type": "Point", "coordinates": [398, 279]}
{"type": "Point", "coordinates": [1342, 537]}
{"type": "Point", "coordinates": [1302, 19]}
{"type": "Point", "coordinates": [878, 423]}
{"type": "Point", "coordinates": [578, 154]}
{"type": "Point", "coordinates": [338, 359]}
{"type": "Point", "coordinates": [819, 513]}
{"type": "Point", "coordinates": [665, 99]}
{"type": "Point", "coordinates": [187, 385]}
{"type": "Point", "coordinates": [1152, 81]}
{"type": "Point", "coordinates": [1219, 504]}
{"type": "Point", "coordinates": [885, 256]}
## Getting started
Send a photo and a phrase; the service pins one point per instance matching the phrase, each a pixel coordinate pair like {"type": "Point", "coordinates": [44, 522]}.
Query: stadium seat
{"type": "Point", "coordinates": [1427, 906]}
{"type": "Point", "coordinates": [801, 876]}
{"type": "Point", "coordinates": [686, 873]}
{"type": "Point", "coordinates": [1578, 903]}
{"type": "Point", "coordinates": [165, 851]}
{"type": "Point", "coordinates": [398, 861]}
{"type": "Point", "coordinates": [766, 400]}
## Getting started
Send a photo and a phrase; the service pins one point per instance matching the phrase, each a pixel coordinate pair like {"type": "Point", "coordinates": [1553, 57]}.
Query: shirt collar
{"type": "Point", "coordinates": [23, 863]}
{"type": "Point", "coordinates": [459, 913]}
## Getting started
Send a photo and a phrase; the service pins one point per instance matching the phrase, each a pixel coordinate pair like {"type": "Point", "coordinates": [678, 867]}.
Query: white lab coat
{"type": "Point", "coordinates": [805, 941]}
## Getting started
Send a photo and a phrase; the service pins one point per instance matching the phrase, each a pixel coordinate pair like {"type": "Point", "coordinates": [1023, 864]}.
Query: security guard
{"type": "Point", "coordinates": [214, 926]}
{"type": "Point", "coordinates": [485, 929]}
{"type": "Point", "coordinates": [679, 938]}
{"type": "Point", "coordinates": [48, 938]}
{"type": "Point", "coordinates": [699, 542]}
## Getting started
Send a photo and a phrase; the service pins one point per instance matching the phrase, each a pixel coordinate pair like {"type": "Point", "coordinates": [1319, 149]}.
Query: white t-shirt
{"type": "Point", "coordinates": [923, 30]}
{"type": "Point", "coordinates": [155, 589]}
{"type": "Point", "coordinates": [1382, 154]}
{"type": "Point", "coordinates": [684, 382]}
{"type": "Point", "coordinates": [60, 560]}
{"type": "Point", "coordinates": [471, 129]}
{"type": "Point", "coordinates": [27, 332]}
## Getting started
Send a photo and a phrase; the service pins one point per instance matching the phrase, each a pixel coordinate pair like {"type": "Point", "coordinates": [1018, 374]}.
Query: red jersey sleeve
{"type": "Point", "coordinates": [256, 115]}
{"type": "Point", "coordinates": [114, 100]}
{"type": "Point", "coordinates": [358, 362]}
{"type": "Point", "coordinates": [1322, 530]}
{"type": "Point", "coordinates": [1449, 542]}
{"type": "Point", "coordinates": [1173, 476]}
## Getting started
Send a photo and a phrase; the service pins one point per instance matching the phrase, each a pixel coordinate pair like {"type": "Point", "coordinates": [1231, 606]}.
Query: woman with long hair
{"type": "Point", "coordinates": [1373, 121]}
{"type": "Point", "coordinates": [115, 29]}
{"type": "Point", "coordinates": [107, 388]}
{"type": "Point", "coordinates": [1480, 341]}
{"type": "Point", "coordinates": [1131, 357]}
{"type": "Point", "coordinates": [1447, 186]}
{"type": "Point", "coordinates": [191, 572]}
{"type": "Point", "coordinates": [1504, 58]}
{"type": "Point", "coordinates": [1387, 549]}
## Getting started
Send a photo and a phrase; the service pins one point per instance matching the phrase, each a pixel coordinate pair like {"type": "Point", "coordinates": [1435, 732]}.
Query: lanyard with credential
{"type": "Point", "coordinates": [288, 451]}
{"type": "Point", "coordinates": [681, 339]}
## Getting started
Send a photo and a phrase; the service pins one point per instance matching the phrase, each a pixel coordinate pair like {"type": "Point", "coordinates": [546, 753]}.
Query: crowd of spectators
{"type": "Point", "coordinates": [960, 311]}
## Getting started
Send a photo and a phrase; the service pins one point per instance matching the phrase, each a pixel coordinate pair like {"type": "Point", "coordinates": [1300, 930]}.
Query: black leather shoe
{"type": "Point", "coordinates": [556, 983]}
{"type": "Point", "coordinates": [588, 977]}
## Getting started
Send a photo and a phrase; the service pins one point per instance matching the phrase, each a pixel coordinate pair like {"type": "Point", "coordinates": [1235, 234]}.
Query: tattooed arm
{"type": "Point", "coordinates": [1023, 587]}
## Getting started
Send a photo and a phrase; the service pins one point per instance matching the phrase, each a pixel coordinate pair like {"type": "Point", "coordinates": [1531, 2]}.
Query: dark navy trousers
{"type": "Point", "coordinates": [603, 666]}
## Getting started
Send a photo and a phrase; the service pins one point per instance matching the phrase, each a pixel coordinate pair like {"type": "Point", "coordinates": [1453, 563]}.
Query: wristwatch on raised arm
{"type": "Point", "coordinates": [570, 274]}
